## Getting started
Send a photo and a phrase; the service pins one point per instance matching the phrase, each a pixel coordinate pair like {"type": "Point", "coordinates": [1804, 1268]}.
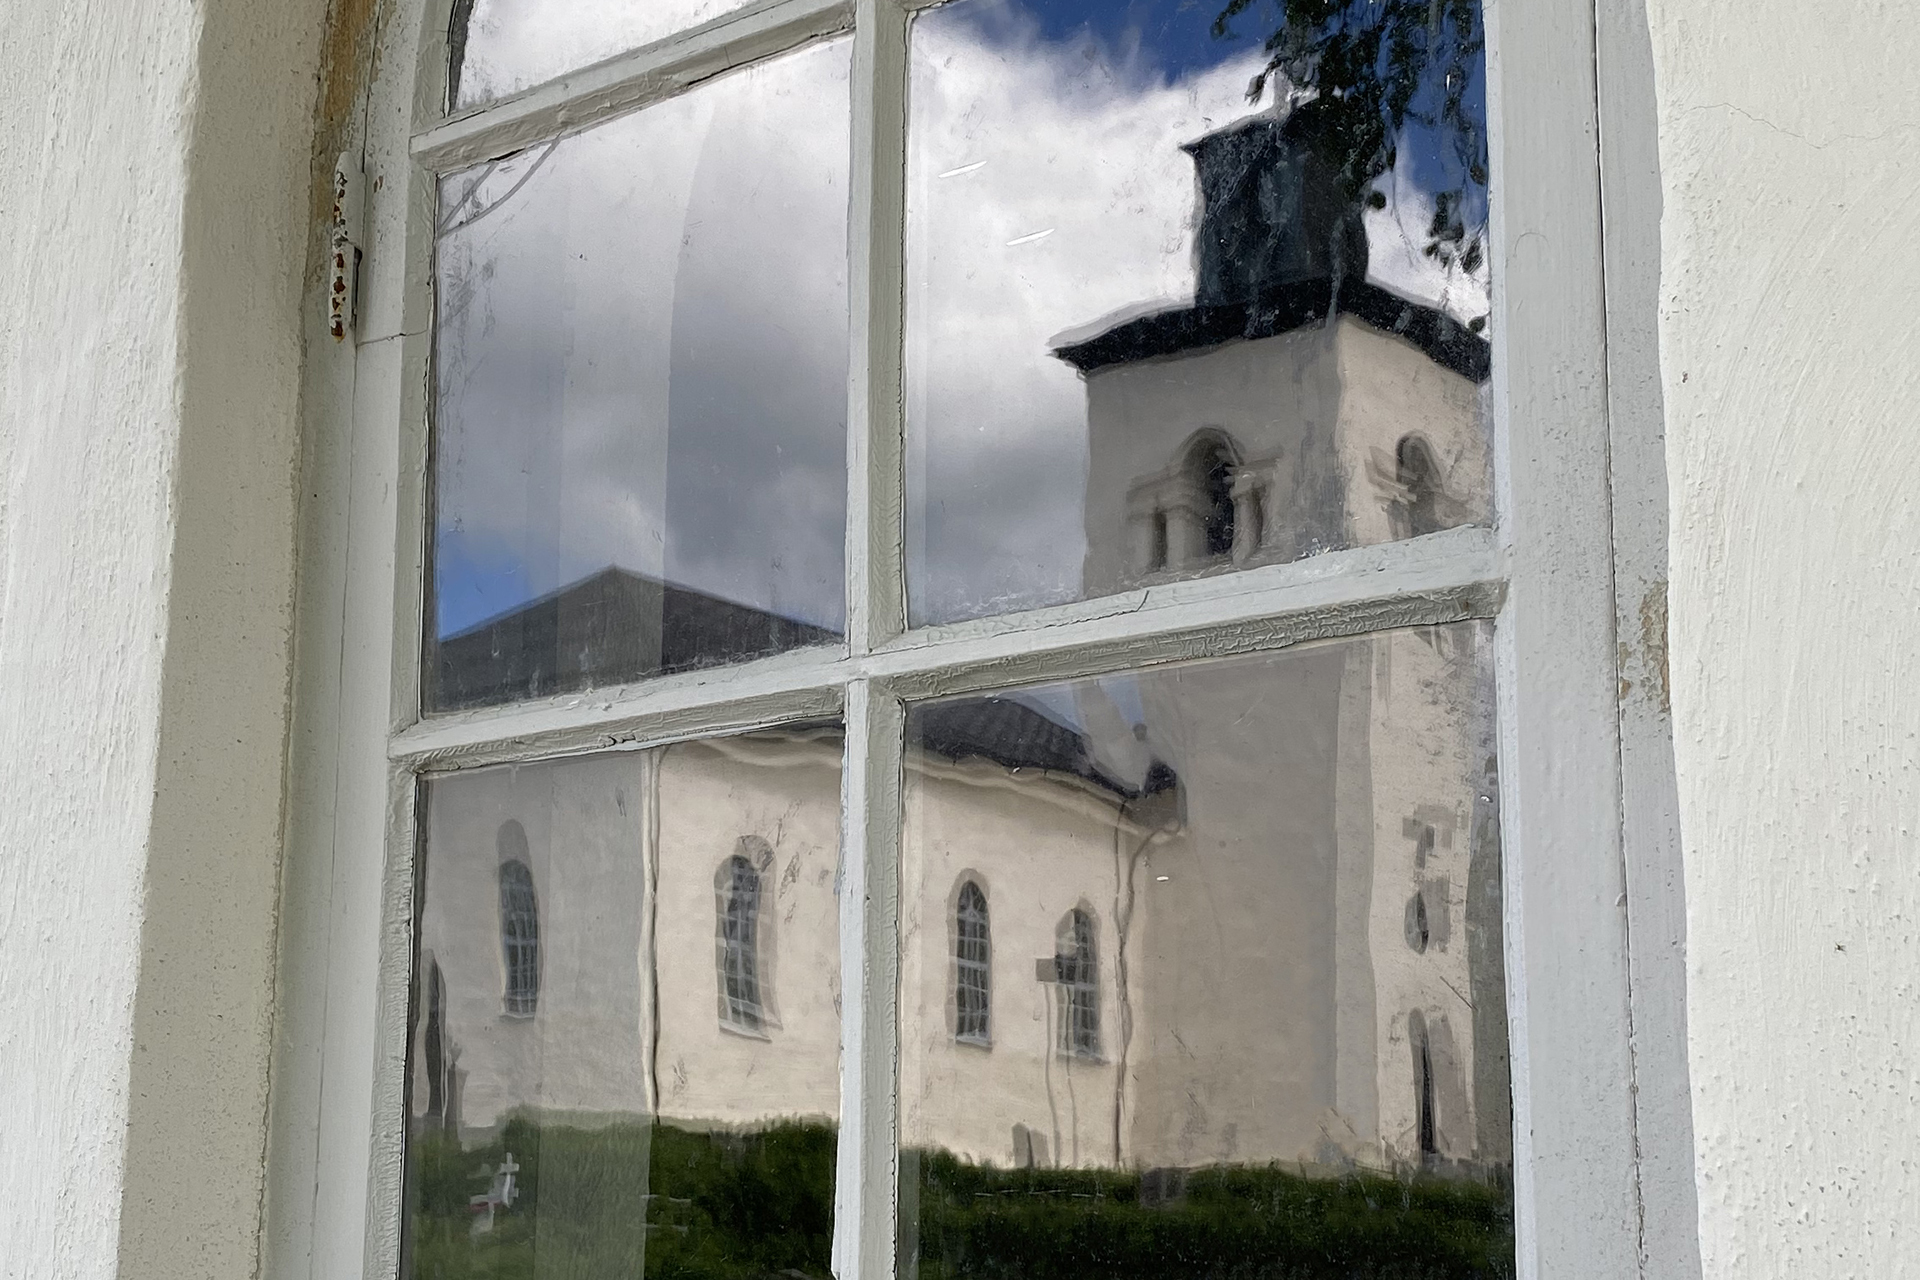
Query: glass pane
{"type": "Point", "coordinates": [624, 1048]}
{"type": "Point", "coordinates": [640, 450]}
{"type": "Point", "coordinates": [1156, 329]}
{"type": "Point", "coordinates": [498, 47]}
{"type": "Point", "coordinates": [1202, 972]}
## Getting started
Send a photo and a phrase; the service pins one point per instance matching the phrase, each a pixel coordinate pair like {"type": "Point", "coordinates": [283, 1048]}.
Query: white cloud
{"type": "Point", "coordinates": [512, 44]}
{"type": "Point", "coordinates": [686, 265]}
{"type": "Point", "coordinates": [642, 352]}
{"type": "Point", "coordinates": [1049, 196]}
{"type": "Point", "coordinates": [1013, 137]}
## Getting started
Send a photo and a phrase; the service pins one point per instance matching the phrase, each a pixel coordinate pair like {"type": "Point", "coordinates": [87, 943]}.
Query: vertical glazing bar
{"type": "Point", "coordinates": [399, 906]}
{"type": "Point", "coordinates": [1575, 1194]}
{"type": "Point", "coordinates": [864, 1197]}
{"type": "Point", "coordinates": [649, 924]}
{"type": "Point", "coordinates": [876, 585]}
{"type": "Point", "coordinates": [876, 611]}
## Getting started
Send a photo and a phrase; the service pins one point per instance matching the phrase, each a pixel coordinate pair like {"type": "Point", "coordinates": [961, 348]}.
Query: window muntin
{"type": "Point", "coordinates": [622, 1124]}
{"type": "Point", "coordinates": [499, 47]}
{"type": "Point", "coordinates": [1143, 340]}
{"type": "Point", "coordinates": [641, 367]}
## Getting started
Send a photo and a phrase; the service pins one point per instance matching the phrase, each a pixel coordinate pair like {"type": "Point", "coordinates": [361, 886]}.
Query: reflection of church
{"type": "Point", "coordinates": [1233, 912]}
{"type": "Point", "coordinates": [1293, 407]}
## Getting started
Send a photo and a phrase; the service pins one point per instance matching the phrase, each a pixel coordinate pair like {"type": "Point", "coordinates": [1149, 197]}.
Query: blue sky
{"type": "Point", "coordinates": [1175, 35]}
{"type": "Point", "coordinates": [566, 375]}
{"type": "Point", "coordinates": [1169, 39]}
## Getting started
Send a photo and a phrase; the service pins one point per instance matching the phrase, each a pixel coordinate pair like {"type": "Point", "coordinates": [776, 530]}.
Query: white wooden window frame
{"type": "Point", "coordinates": [1603, 1149]}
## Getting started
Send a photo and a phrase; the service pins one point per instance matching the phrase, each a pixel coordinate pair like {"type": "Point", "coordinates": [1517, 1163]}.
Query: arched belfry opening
{"type": "Point", "coordinates": [1417, 473]}
{"type": "Point", "coordinates": [1210, 466]}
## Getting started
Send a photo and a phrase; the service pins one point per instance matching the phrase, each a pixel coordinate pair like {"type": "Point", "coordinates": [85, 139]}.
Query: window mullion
{"type": "Point", "coordinates": [1576, 1197]}
{"type": "Point", "coordinates": [864, 1208]}
{"type": "Point", "coordinates": [399, 901]}
{"type": "Point", "coordinates": [876, 591]}
{"type": "Point", "coordinates": [865, 1193]}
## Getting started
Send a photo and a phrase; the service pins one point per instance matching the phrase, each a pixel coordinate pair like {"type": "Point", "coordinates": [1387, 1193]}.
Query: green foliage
{"type": "Point", "coordinates": [627, 1200]}
{"type": "Point", "coordinates": [1375, 67]}
{"type": "Point", "coordinates": [632, 1200]}
{"type": "Point", "coordinates": [1226, 1223]}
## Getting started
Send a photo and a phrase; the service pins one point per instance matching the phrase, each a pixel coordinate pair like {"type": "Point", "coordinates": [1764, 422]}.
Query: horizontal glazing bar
{"type": "Point", "coordinates": [1445, 577]}
{"type": "Point", "coordinates": [799, 686]}
{"type": "Point", "coordinates": [619, 85]}
{"type": "Point", "coordinates": [988, 665]}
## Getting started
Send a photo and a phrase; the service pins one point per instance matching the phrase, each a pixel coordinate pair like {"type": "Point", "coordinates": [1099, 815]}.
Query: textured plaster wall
{"type": "Point", "coordinates": [1791, 364]}
{"type": "Point", "coordinates": [89, 418]}
{"type": "Point", "coordinates": [153, 212]}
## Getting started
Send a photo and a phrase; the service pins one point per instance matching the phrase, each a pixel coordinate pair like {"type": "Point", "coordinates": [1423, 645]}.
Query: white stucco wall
{"type": "Point", "coordinates": [88, 390]}
{"type": "Point", "coordinates": [153, 194]}
{"type": "Point", "coordinates": [1791, 362]}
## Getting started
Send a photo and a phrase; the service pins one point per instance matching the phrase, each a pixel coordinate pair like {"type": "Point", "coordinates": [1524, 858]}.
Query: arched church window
{"type": "Point", "coordinates": [1211, 465]}
{"type": "Point", "coordinates": [972, 967]}
{"type": "Point", "coordinates": [1078, 966]}
{"type": "Point", "coordinates": [435, 1047]}
{"type": "Point", "coordinates": [1425, 1122]}
{"type": "Point", "coordinates": [1418, 475]}
{"type": "Point", "coordinates": [519, 928]}
{"type": "Point", "coordinates": [1419, 930]}
{"type": "Point", "coordinates": [740, 944]}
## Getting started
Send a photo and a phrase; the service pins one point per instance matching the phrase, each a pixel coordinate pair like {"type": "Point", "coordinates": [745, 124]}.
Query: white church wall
{"type": "Point", "coordinates": [1390, 389]}
{"type": "Point", "coordinates": [1316, 415]}
{"type": "Point", "coordinates": [787, 794]}
{"type": "Point", "coordinates": [1272, 396]}
{"type": "Point", "coordinates": [1431, 733]}
{"type": "Point", "coordinates": [627, 988]}
{"type": "Point", "coordinates": [1236, 1046]}
{"type": "Point", "coordinates": [1040, 847]}
{"type": "Point", "coordinates": [583, 1049]}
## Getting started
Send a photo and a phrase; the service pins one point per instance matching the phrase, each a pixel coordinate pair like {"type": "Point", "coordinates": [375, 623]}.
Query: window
{"type": "Point", "coordinates": [1419, 477]}
{"type": "Point", "coordinates": [1079, 970]}
{"type": "Point", "coordinates": [972, 968]}
{"type": "Point", "coordinates": [1212, 465]}
{"type": "Point", "coordinates": [519, 927]}
{"type": "Point", "coordinates": [434, 1054]}
{"type": "Point", "coordinates": [767, 415]}
{"type": "Point", "coordinates": [739, 939]}
{"type": "Point", "coordinates": [1426, 1127]}
{"type": "Point", "coordinates": [1419, 933]}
